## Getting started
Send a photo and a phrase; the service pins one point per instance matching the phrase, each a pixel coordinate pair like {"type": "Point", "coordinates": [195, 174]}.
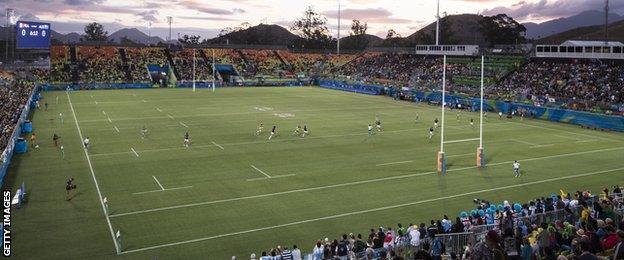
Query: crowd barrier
{"type": "Point", "coordinates": [7, 154]}
{"type": "Point", "coordinates": [357, 88]}
{"type": "Point", "coordinates": [581, 118]}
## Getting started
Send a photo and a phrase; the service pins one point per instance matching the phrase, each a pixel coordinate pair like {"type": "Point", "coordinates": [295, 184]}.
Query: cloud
{"type": "Point", "coordinates": [544, 9]}
{"type": "Point", "coordinates": [369, 15]}
{"type": "Point", "coordinates": [148, 16]}
{"type": "Point", "coordinates": [202, 7]}
{"type": "Point", "coordinates": [82, 2]}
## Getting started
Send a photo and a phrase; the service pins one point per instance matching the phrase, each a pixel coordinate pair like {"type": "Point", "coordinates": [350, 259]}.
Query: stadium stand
{"type": "Point", "coordinates": [567, 225]}
{"type": "Point", "coordinates": [183, 63]}
{"type": "Point", "coordinates": [139, 58]}
{"type": "Point", "coordinates": [263, 62]}
{"type": "Point", "coordinates": [14, 94]}
{"type": "Point", "coordinates": [99, 64]}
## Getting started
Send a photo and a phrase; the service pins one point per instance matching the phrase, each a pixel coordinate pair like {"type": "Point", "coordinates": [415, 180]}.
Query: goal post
{"type": "Point", "coordinates": [480, 151]}
{"type": "Point", "coordinates": [441, 162]}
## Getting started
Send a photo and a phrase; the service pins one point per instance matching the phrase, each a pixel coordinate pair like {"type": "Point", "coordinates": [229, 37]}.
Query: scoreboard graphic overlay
{"type": "Point", "coordinates": [32, 35]}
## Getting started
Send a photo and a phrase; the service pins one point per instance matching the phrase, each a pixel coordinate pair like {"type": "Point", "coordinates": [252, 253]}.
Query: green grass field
{"type": "Point", "coordinates": [214, 199]}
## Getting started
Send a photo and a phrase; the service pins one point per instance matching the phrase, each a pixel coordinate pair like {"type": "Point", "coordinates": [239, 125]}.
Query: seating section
{"type": "Point", "coordinates": [183, 62]}
{"type": "Point", "coordinates": [139, 58]}
{"type": "Point", "coordinates": [14, 94]}
{"type": "Point", "coordinates": [263, 62]}
{"type": "Point", "coordinates": [227, 56]}
{"type": "Point", "coordinates": [99, 64]}
{"type": "Point", "coordinates": [59, 67]}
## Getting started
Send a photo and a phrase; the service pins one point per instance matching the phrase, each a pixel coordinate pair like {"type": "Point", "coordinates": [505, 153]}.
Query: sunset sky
{"type": "Point", "coordinates": [208, 17]}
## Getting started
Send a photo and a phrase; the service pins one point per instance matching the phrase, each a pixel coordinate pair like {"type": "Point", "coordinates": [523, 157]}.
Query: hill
{"type": "Point", "coordinates": [587, 18]}
{"type": "Point", "coordinates": [464, 28]}
{"type": "Point", "coordinates": [596, 32]}
{"type": "Point", "coordinates": [134, 35]}
{"type": "Point", "coordinates": [360, 41]}
{"type": "Point", "coordinates": [262, 34]}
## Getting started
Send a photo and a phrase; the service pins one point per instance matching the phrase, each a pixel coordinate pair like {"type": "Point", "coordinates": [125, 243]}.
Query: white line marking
{"type": "Point", "coordinates": [585, 141]}
{"type": "Point", "coordinates": [461, 155]}
{"type": "Point", "coordinates": [144, 101]}
{"type": "Point", "coordinates": [109, 120]}
{"type": "Point", "coordinates": [170, 116]}
{"type": "Point", "coordinates": [183, 124]}
{"type": "Point", "coordinates": [97, 186]}
{"type": "Point", "coordinates": [272, 177]}
{"type": "Point", "coordinates": [359, 212]}
{"type": "Point", "coordinates": [116, 129]}
{"type": "Point", "coordinates": [542, 145]}
{"type": "Point", "coordinates": [216, 144]}
{"type": "Point", "coordinates": [256, 168]}
{"type": "Point", "coordinates": [568, 137]}
{"type": "Point", "coordinates": [135, 153]}
{"type": "Point", "coordinates": [103, 112]}
{"type": "Point", "coordinates": [461, 141]}
{"type": "Point", "coordinates": [353, 183]}
{"type": "Point", "coordinates": [159, 185]}
{"type": "Point", "coordinates": [525, 142]}
{"type": "Point", "coordinates": [565, 131]}
{"type": "Point", "coordinates": [392, 163]}
{"type": "Point", "coordinates": [152, 191]}
{"type": "Point", "coordinates": [96, 102]}
{"type": "Point", "coordinates": [159, 110]}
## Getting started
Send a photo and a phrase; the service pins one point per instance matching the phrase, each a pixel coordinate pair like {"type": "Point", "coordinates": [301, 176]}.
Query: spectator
{"type": "Point", "coordinates": [488, 249]}
{"type": "Point", "coordinates": [296, 253]}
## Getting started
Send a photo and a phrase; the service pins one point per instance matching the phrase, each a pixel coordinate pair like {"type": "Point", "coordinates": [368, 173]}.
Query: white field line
{"type": "Point", "coordinates": [135, 153]}
{"type": "Point", "coordinates": [353, 183]}
{"type": "Point", "coordinates": [170, 116]}
{"type": "Point", "coordinates": [159, 185]}
{"type": "Point", "coordinates": [461, 155]}
{"type": "Point", "coordinates": [525, 142]}
{"type": "Point", "coordinates": [183, 124]}
{"type": "Point", "coordinates": [585, 141]}
{"type": "Point", "coordinates": [96, 102]}
{"type": "Point", "coordinates": [461, 141]}
{"type": "Point", "coordinates": [370, 210]}
{"type": "Point", "coordinates": [116, 129]}
{"type": "Point", "coordinates": [109, 120]}
{"type": "Point", "coordinates": [97, 186]}
{"type": "Point", "coordinates": [217, 145]}
{"type": "Point", "coordinates": [152, 191]}
{"type": "Point", "coordinates": [159, 110]}
{"type": "Point", "coordinates": [257, 142]}
{"type": "Point", "coordinates": [569, 137]}
{"type": "Point", "coordinates": [264, 173]}
{"type": "Point", "coordinates": [272, 177]}
{"type": "Point", "coordinates": [103, 112]}
{"type": "Point", "coordinates": [542, 145]}
{"type": "Point", "coordinates": [393, 163]}
{"type": "Point", "coordinates": [144, 101]}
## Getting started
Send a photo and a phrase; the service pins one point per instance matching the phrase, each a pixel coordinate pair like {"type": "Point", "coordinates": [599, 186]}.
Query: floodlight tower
{"type": "Point", "coordinates": [169, 21]}
{"type": "Point", "coordinates": [9, 16]}
{"type": "Point", "coordinates": [438, 25]}
{"type": "Point", "coordinates": [338, 42]}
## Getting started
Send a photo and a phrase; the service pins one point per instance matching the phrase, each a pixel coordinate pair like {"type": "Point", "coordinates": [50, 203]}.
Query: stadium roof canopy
{"type": "Point", "coordinates": [592, 43]}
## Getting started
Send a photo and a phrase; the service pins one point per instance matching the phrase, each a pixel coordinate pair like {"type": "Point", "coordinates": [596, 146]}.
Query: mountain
{"type": "Point", "coordinates": [587, 18]}
{"type": "Point", "coordinates": [360, 41]}
{"type": "Point", "coordinates": [464, 29]}
{"type": "Point", "coordinates": [596, 32]}
{"type": "Point", "coordinates": [134, 35]}
{"type": "Point", "coordinates": [262, 34]}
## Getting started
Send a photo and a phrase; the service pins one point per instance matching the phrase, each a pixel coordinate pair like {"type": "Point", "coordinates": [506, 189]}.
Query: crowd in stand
{"type": "Point", "coordinates": [183, 62]}
{"type": "Point", "coordinates": [579, 84]}
{"type": "Point", "coordinates": [228, 56]}
{"type": "Point", "coordinates": [561, 226]}
{"type": "Point", "coordinates": [14, 94]}
{"type": "Point", "coordinates": [139, 58]}
{"type": "Point", "coordinates": [99, 64]}
{"type": "Point", "coordinates": [263, 62]}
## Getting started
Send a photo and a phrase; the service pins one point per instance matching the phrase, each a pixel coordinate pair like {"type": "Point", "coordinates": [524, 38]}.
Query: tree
{"type": "Point", "coordinates": [190, 39]}
{"type": "Point", "coordinates": [312, 27]}
{"type": "Point", "coordinates": [357, 28]}
{"type": "Point", "coordinates": [502, 29]}
{"type": "Point", "coordinates": [392, 34]}
{"type": "Point", "coordinates": [446, 31]}
{"type": "Point", "coordinates": [95, 32]}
